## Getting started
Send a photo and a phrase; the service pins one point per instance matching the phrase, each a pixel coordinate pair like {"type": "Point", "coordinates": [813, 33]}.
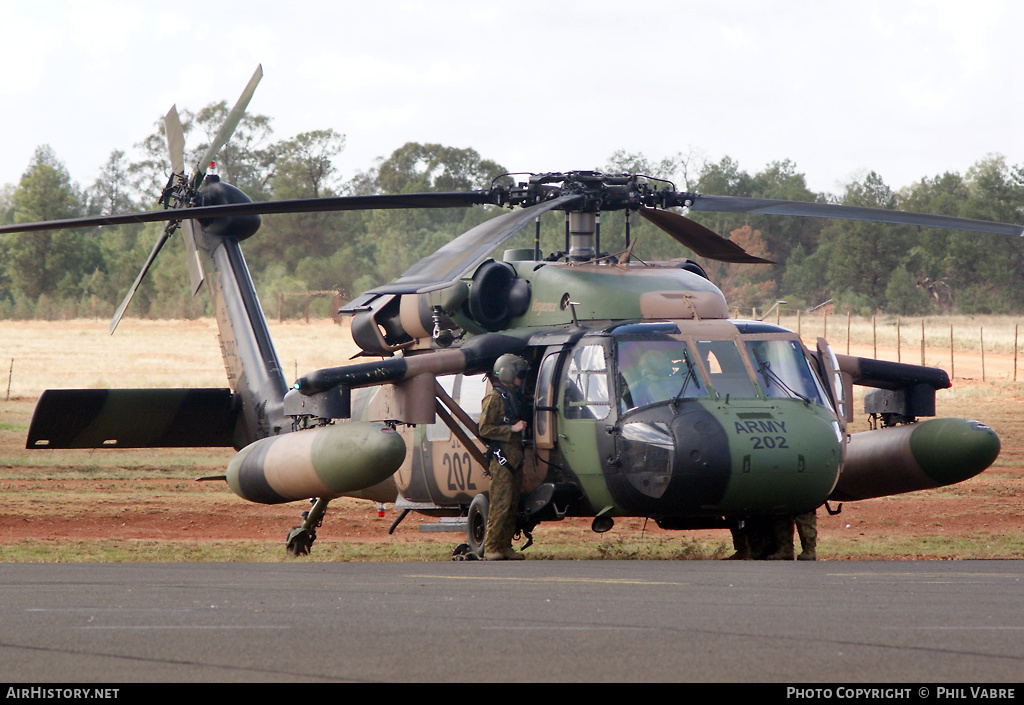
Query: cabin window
{"type": "Point", "coordinates": [439, 431]}
{"type": "Point", "coordinates": [586, 384]}
{"type": "Point", "coordinates": [471, 395]}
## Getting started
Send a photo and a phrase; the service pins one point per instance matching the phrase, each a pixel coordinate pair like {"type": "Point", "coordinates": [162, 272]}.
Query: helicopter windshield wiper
{"type": "Point", "coordinates": [687, 376]}
{"type": "Point", "coordinates": [768, 374]}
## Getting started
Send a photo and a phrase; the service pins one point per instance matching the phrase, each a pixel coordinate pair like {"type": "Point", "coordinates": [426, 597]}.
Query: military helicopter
{"type": "Point", "coordinates": [647, 399]}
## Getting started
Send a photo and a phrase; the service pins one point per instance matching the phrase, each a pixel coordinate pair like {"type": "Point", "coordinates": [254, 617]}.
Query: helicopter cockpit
{"type": "Point", "coordinates": [677, 412]}
{"type": "Point", "coordinates": [756, 361]}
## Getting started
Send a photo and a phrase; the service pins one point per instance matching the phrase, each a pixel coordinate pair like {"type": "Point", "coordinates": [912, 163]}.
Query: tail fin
{"type": "Point", "coordinates": [254, 372]}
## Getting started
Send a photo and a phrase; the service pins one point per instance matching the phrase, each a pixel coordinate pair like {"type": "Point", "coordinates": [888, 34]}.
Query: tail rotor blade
{"type": "Point", "coordinates": [175, 140]}
{"type": "Point", "coordinates": [234, 117]}
{"type": "Point", "coordinates": [138, 280]}
{"type": "Point", "coordinates": [195, 265]}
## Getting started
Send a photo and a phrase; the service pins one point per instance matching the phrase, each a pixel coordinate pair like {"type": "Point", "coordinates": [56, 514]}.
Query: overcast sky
{"type": "Point", "coordinates": [907, 89]}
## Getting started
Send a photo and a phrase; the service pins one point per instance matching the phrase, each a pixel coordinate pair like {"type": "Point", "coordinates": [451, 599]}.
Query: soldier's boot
{"type": "Point", "coordinates": [740, 546]}
{"type": "Point", "coordinates": [783, 531]}
{"type": "Point", "coordinates": [511, 554]}
{"type": "Point", "coordinates": [807, 530]}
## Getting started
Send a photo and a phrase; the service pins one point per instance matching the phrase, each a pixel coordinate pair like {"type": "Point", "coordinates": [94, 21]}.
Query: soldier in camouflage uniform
{"type": "Point", "coordinates": [806, 529]}
{"type": "Point", "coordinates": [501, 424]}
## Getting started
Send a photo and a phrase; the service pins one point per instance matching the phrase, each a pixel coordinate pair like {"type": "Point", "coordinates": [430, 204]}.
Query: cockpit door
{"type": "Point", "coordinates": [834, 378]}
{"type": "Point", "coordinates": [545, 421]}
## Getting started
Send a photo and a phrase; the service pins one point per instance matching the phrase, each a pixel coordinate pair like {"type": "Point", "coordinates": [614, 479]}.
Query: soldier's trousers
{"type": "Point", "coordinates": [506, 487]}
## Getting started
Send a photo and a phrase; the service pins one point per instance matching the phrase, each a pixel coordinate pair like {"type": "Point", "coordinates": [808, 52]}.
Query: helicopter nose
{"type": "Point", "coordinates": [786, 459]}
{"type": "Point", "coordinates": [681, 459]}
{"type": "Point", "coordinates": [733, 460]}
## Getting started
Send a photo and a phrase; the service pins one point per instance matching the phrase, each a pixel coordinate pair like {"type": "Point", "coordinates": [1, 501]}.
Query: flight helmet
{"type": "Point", "coordinates": [509, 366]}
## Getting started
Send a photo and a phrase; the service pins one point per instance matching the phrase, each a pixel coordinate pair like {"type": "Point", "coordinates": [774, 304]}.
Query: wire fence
{"type": "Point", "coordinates": [988, 346]}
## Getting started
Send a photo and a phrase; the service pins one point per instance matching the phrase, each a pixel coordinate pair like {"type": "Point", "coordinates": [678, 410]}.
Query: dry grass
{"type": "Point", "coordinates": [81, 354]}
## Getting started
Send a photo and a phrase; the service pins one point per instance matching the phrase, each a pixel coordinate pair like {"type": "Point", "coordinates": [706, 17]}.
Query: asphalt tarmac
{"type": "Point", "coordinates": [589, 621]}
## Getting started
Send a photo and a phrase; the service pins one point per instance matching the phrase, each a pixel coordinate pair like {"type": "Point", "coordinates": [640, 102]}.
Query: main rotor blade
{"type": "Point", "coordinates": [466, 252]}
{"type": "Point", "coordinates": [138, 280]}
{"type": "Point", "coordinates": [769, 206]}
{"type": "Point", "coordinates": [455, 199]}
{"type": "Point", "coordinates": [234, 117]}
{"type": "Point", "coordinates": [701, 240]}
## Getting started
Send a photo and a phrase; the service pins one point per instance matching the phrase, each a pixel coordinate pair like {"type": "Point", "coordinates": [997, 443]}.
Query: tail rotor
{"type": "Point", "coordinates": [182, 192]}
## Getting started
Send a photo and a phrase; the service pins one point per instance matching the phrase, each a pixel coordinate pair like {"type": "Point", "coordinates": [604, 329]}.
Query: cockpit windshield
{"type": "Point", "coordinates": [654, 371]}
{"type": "Point", "coordinates": [783, 371]}
{"type": "Point", "coordinates": [724, 363]}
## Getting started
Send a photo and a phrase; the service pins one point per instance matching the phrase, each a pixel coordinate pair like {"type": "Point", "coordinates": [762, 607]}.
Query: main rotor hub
{"type": "Point", "coordinates": [597, 191]}
{"type": "Point", "coordinates": [582, 236]}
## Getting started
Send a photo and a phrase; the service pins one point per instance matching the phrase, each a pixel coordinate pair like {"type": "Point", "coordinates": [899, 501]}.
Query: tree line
{"type": "Point", "coordinates": [859, 267]}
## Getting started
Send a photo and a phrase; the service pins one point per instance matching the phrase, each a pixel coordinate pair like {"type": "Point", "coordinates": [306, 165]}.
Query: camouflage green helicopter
{"type": "Point", "coordinates": [647, 399]}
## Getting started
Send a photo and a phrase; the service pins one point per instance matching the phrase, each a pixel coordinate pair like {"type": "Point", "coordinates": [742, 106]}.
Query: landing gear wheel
{"type": "Point", "coordinates": [300, 541]}
{"type": "Point", "coordinates": [462, 553]}
{"type": "Point", "coordinates": [476, 525]}
{"type": "Point", "coordinates": [300, 538]}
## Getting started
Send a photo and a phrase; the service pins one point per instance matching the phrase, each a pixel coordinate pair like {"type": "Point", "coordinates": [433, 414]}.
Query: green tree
{"type": "Point", "coordinates": [112, 191]}
{"type": "Point", "coordinates": [50, 261]}
{"type": "Point", "coordinates": [399, 238]}
{"type": "Point", "coordinates": [903, 296]}
{"type": "Point", "coordinates": [803, 282]}
{"type": "Point", "coordinates": [304, 166]}
{"type": "Point", "coordinates": [778, 180]}
{"type": "Point", "coordinates": [971, 272]}
{"type": "Point", "coordinates": [862, 255]}
{"type": "Point", "coordinates": [246, 161]}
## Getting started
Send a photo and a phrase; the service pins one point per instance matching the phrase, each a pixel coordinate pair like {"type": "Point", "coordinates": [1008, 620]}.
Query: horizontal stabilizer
{"type": "Point", "coordinates": [133, 418]}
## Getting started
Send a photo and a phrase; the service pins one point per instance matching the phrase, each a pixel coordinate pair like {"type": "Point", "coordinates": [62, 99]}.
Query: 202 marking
{"type": "Point", "coordinates": [457, 478]}
{"type": "Point", "coordinates": [769, 442]}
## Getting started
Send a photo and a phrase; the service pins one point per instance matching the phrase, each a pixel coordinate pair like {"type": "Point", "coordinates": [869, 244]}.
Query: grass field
{"type": "Point", "coordinates": [125, 505]}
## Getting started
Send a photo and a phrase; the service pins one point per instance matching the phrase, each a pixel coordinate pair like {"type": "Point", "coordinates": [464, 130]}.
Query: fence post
{"type": "Point", "coordinates": [874, 336]}
{"type": "Point", "coordinates": [952, 368]}
{"type": "Point", "coordinates": [899, 355]}
{"type": "Point", "coordinates": [922, 342]}
{"type": "Point", "coordinates": [981, 342]}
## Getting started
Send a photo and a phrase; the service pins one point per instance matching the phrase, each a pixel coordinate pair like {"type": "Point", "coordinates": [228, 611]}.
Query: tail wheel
{"type": "Point", "coordinates": [476, 525]}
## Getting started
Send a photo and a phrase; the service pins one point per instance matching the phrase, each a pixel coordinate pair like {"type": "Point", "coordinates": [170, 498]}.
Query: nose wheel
{"type": "Point", "coordinates": [300, 538]}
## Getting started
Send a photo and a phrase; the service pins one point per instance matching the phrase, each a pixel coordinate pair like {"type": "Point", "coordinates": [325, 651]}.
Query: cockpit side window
{"type": "Point", "coordinates": [652, 371]}
{"type": "Point", "coordinates": [586, 384]}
